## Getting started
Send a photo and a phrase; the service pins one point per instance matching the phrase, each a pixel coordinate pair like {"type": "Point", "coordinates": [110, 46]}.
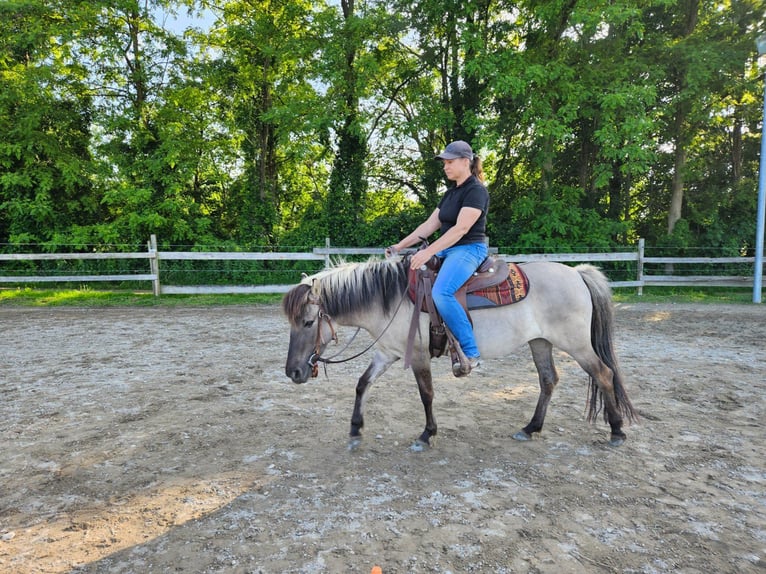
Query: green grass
{"type": "Point", "coordinates": [684, 295]}
{"type": "Point", "coordinates": [27, 297]}
{"type": "Point", "coordinates": [85, 297]}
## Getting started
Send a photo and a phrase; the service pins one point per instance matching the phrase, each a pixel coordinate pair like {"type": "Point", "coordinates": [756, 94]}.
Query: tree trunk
{"type": "Point", "coordinates": [348, 186]}
{"type": "Point", "coordinates": [688, 24]}
{"type": "Point", "coordinates": [677, 187]}
{"type": "Point", "coordinates": [736, 151]}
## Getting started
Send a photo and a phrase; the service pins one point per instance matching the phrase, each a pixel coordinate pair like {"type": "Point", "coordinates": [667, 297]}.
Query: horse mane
{"type": "Point", "coordinates": [349, 288]}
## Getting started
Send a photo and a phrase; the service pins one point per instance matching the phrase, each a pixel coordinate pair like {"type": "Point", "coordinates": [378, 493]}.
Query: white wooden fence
{"type": "Point", "coordinates": [155, 258]}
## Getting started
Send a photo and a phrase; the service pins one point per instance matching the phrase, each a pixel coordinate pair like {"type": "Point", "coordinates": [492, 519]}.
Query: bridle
{"type": "Point", "coordinates": [316, 357]}
{"type": "Point", "coordinates": [322, 316]}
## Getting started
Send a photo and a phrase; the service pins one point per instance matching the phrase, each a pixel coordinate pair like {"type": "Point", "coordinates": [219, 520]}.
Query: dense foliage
{"type": "Point", "coordinates": [248, 123]}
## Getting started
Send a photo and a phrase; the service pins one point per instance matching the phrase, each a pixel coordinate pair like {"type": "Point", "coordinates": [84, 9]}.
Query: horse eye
{"type": "Point", "coordinates": [308, 324]}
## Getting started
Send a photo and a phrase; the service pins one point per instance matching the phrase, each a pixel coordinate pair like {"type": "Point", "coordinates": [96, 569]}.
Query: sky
{"type": "Point", "coordinates": [178, 23]}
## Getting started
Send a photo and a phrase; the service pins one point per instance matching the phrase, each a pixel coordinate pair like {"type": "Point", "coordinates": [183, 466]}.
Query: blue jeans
{"type": "Point", "coordinates": [460, 261]}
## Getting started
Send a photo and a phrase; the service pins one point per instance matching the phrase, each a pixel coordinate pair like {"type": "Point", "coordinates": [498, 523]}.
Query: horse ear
{"type": "Point", "coordinates": [304, 276]}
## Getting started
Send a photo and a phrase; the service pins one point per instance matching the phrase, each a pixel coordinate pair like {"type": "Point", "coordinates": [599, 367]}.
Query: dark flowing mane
{"type": "Point", "coordinates": [348, 288]}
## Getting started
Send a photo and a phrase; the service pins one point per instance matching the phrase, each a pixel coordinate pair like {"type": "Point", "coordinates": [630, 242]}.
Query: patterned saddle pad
{"type": "Point", "coordinates": [512, 290]}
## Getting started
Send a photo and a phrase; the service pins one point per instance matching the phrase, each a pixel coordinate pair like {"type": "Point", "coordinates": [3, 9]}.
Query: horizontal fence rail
{"type": "Point", "coordinates": [327, 253]}
{"type": "Point", "coordinates": [20, 279]}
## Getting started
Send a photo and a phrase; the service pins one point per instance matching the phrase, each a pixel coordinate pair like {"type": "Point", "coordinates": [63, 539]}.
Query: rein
{"type": "Point", "coordinates": [316, 357]}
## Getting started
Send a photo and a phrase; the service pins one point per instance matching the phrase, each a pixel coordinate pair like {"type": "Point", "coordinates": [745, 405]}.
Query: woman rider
{"type": "Point", "coordinates": [461, 218]}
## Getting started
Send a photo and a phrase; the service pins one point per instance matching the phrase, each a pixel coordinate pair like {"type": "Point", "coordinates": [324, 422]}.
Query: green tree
{"type": "Point", "coordinates": [348, 184]}
{"type": "Point", "coordinates": [267, 68]}
{"type": "Point", "coordinates": [598, 121]}
{"type": "Point", "coordinates": [439, 86]}
{"type": "Point", "coordinates": [129, 62]}
{"type": "Point", "coordinates": [45, 121]}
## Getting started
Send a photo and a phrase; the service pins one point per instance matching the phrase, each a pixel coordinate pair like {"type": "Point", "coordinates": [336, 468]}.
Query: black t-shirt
{"type": "Point", "coordinates": [471, 193]}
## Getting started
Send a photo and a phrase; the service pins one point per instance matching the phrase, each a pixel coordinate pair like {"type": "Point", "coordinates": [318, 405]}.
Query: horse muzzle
{"type": "Point", "coordinates": [303, 372]}
{"type": "Point", "coordinates": [299, 376]}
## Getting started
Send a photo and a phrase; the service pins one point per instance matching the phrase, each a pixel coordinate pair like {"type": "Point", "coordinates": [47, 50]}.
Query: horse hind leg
{"type": "Point", "coordinates": [542, 354]}
{"type": "Point", "coordinates": [601, 394]}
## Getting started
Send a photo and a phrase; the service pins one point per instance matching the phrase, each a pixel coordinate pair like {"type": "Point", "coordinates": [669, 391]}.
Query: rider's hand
{"type": "Point", "coordinates": [391, 251]}
{"type": "Point", "coordinates": [419, 258]}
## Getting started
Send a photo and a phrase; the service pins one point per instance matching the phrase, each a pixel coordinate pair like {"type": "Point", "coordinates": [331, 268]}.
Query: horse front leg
{"type": "Point", "coordinates": [375, 369]}
{"type": "Point", "coordinates": [426, 389]}
{"type": "Point", "coordinates": [542, 353]}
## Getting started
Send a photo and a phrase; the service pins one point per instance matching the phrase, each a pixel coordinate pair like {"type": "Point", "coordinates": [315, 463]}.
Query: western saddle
{"type": "Point", "coordinates": [491, 272]}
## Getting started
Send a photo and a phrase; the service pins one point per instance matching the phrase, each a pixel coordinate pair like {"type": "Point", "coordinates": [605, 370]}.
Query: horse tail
{"type": "Point", "coordinates": [602, 339]}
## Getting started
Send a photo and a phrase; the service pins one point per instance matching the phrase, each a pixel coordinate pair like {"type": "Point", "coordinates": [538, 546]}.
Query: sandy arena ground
{"type": "Point", "coordinates": [169, 440]}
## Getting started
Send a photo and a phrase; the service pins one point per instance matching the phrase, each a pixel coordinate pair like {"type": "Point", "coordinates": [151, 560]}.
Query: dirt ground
{"type": "Point", "coordinates": [170, 440]}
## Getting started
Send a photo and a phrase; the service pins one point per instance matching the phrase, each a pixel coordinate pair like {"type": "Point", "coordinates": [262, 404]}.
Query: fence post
{"type": "Point", "coordinates": [640, 265]}
{"type": "Point", "coordinates": [154, 264]}
{"type": "Point", "coordinates": [327, 261]}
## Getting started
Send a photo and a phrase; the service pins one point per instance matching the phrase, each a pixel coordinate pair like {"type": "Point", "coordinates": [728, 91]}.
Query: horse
{"type": "Point", "coordinates": [566, 307]}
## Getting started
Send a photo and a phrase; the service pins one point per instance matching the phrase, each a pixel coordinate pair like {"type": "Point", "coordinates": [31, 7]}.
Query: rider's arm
{"type": "Point", "coordinates": [465, 220]}
{"type": "Point", "coordinates": [423, 231]}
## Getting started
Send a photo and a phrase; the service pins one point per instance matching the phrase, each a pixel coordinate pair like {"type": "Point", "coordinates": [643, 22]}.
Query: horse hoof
{"type": "Point", "coordinates": [523, 436]}
{"type": "Point", "coordinates": [419, 446]}
{"type": "Point", "coordinates": [354, 443]}
{"type": "Point", "coordinates": [617, 441]}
